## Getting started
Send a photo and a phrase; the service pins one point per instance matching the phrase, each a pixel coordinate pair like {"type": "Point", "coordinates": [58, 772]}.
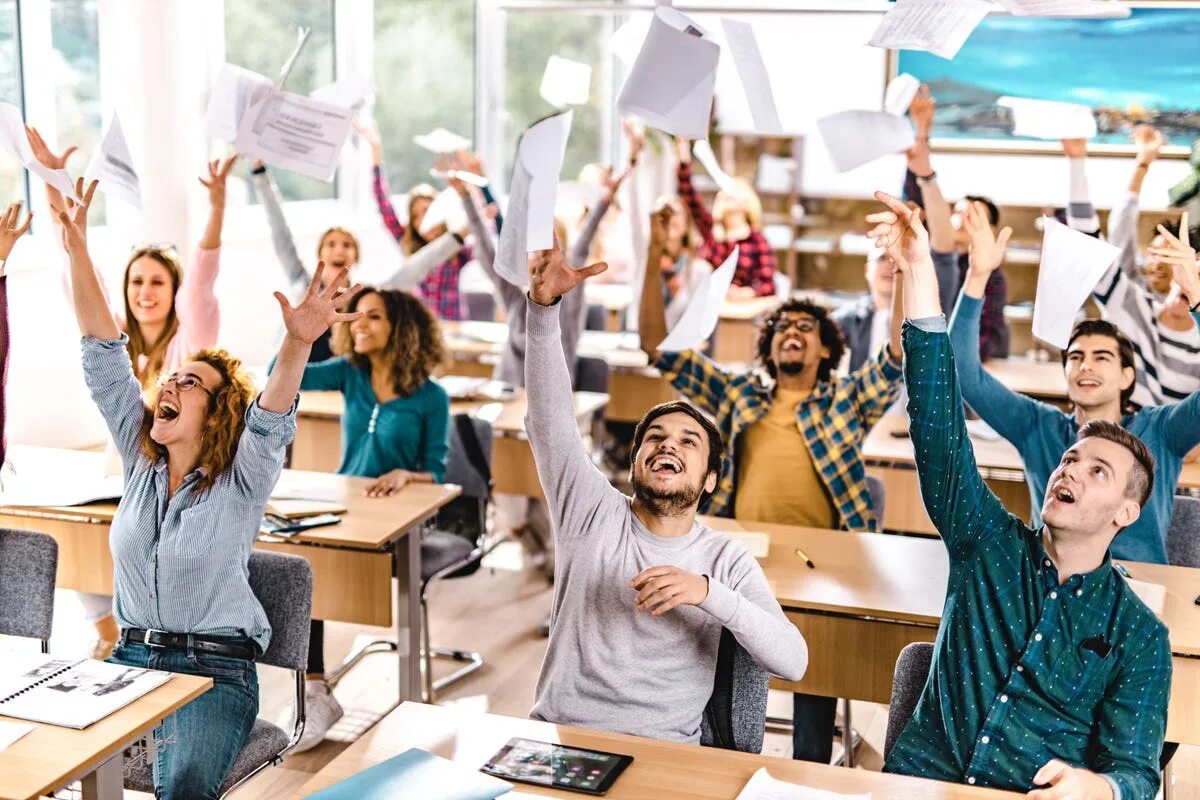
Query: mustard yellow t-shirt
{"type": "Point", "coordinates": [776, 478]}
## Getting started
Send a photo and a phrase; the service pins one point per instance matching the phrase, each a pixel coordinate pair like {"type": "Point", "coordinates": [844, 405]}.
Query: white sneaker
{"type": "Point", "coordinates": [321, 710]}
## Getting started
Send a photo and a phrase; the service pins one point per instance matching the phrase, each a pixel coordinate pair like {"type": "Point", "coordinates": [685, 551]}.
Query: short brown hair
{"type": "Point", "coordinates": [1102, 327]}
{"type": "Point", "coordinates": [716, 446]}
{"type": "Point", "coordinates": [1141, 479]}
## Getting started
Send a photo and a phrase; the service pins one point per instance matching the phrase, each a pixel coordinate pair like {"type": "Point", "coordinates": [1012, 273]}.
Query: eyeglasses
{"type": "Point", "coordinates": [803, 325]}
{"type": "Point", "coordinates": [184, 383]}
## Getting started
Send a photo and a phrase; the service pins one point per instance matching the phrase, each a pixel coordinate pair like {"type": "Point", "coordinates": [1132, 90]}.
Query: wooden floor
{"type": "Point", "coordinates": [496, 611]}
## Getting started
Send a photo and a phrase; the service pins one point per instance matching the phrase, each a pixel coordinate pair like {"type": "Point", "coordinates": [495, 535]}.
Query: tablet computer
{"type": "Point", "coordinates": [554, 765]}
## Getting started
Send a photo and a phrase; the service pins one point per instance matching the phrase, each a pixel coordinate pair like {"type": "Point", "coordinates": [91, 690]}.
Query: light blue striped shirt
{"type": "Point", "coordinates": [180, 563]}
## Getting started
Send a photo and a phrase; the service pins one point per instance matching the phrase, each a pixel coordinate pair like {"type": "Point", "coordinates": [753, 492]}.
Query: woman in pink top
{"type": "Point", "coordinates": [168, 315]}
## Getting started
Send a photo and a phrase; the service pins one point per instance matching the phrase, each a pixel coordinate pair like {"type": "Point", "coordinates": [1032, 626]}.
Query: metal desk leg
{"type": "Point", "coordinates": [107, 782]}
{"type": "Point", "coordinates": [408, 614]}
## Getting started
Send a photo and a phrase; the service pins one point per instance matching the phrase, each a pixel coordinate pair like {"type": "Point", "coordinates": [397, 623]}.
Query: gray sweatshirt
{"type": "Point", "coordinates": [608, 665]}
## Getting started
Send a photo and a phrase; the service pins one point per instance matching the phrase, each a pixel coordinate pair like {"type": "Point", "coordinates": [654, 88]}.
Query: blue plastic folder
{"type": "Point", "coordinates": [416, 775]}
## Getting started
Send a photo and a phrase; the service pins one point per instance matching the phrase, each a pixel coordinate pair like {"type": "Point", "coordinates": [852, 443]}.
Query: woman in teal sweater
{"type": "Point", "coordinates": [395, 428]}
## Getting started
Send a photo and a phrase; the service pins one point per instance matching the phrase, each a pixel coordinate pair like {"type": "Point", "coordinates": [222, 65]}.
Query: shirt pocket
{"type": "Point", "coordinates": [1080, 676]}
{"type": "Point", "coordinates": [199, 527]}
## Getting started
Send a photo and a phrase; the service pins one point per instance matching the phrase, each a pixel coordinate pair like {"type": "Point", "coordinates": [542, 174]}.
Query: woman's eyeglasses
{"type": "Point", "coordinates": [184, 383]}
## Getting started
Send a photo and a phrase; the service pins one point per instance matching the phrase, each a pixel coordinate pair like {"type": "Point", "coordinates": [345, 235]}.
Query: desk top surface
{"type": "Point", "coordinates": [50, 757]}
{"type": "Point", "coordinates": [1042, 379]}
{"type": "Point", "coordinates": [659, 769]}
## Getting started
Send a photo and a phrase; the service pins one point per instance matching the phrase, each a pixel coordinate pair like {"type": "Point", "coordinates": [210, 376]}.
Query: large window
{"type": "Point", "coordinates": [260, 35]}
{"type": "Point", "coordinates": [75, 73]}
{"type": "Point", "coordinates": [424, 70]}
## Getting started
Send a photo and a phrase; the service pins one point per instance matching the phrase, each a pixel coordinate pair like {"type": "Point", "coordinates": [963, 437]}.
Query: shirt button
{"type": "Point", "coordinates": [1046, 562]}
{"type": "Point", "coordinates": [1003, 698]}
{"type": "Point", "coordinates": [1054, 595]}
{"type": "Point", "coordinates": [971, 780]}
{"type": "Point", "coordinates": [1037, 637]}
{"type": "Point", "coordinates": [1020, 668]}
{"type": "Point", "coordinates": [1079, 592]}
{"type": "Point", "coordinates": [986, 739]}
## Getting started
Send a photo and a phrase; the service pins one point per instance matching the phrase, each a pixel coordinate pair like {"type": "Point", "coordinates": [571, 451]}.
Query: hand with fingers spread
{"type": "Point", "coordinates": [73, 218]}
{"type": "Point", "coordinates": [660, 589]}
{"type": "Point", "coordinates": [1064, 782]}
{"type": "Point", "coordinates": [218, 171]}
{"type": "Point", "coordinates": [987, 249]}
{"type": "Point", "coordinates": [42, 152]}
{"type": "Point", "coordinates": [1178, 252]}
{"type": "Point", "coordinates": [1149, 142]}
{"type": "Point", "coordinates": [389, 483]}
{"type": "Point", "coordinates": [319, 308]}
{"type": "Point", "coordinates": [899, 232]}
{"type": "Point", "coordinates": [370, 133]}
{"type": "Point", "coordinates": [10, 230]}
{"type": "Point", "coordinates": [550, 276]}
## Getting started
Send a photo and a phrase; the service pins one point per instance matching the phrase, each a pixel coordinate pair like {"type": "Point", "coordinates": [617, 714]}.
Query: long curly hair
{"type": "Point", "coordinates": [224, 422]}
{"type": "Point", "coordinates": [412, 240]}
{"type": "Point", "coordinates": [138, 346]}
{"type": "Point", "coordinates": [414, 345]}
{"type": "Point", "coordinates": [831, 337]}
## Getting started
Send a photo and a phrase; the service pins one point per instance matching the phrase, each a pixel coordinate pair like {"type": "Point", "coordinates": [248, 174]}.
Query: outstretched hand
{"type": "Point", "coordinates": [218, 171]}
{"type": "Point", "coordinates": [900, 232]}
{"type": "Point", "coordinates": [921, 109]}
{"type": "Point", "coordinates": [43, 153]}
{"type": "Point", "coordinates": [319, 308]}
{"type": "Point", "coordinates": [987, 249]}
{"type": "Point", "coordinates": [550, 276]}
{"type": "Point", "coordinates": [1179, 253]}
{"type": "Point", "coordinates": [74, 218]}
{"type": "Point", "coordinates": [10, 231]}
{"type": "Point", "coordinates": [1148, 141]}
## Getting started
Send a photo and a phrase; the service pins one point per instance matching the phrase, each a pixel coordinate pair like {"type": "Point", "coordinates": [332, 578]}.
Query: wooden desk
{"type": "Point", "coordinates": [49, 758]}
{"type": "Point", "coordinates": [473, 346]}
{"type": "Point", "coordinates": [891, 459]}
{"type": "Point", "coordinates": [659, 769]}
{"type": "Point", "coordinates": [353, 563]}
{"type": "Point", "coordinates": [871, 594]}
{"type": "Point", "coordinates": [1044, 380]}
{"type": "Point", "coordinates": [318, 443]}
{"type": "Point", "coordinates": [737, 330]}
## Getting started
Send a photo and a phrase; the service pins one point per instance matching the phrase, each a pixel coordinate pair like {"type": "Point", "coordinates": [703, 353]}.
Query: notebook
{"type": "Point", "coordinates": [70, 693]}
{"type": "Point", "coordinates": [416, 775]}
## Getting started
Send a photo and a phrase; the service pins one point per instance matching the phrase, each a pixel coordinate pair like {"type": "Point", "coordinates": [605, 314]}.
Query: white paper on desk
{"type": "Point", "coordinates": [747, 57]}
{"type": "Point", "coordinates": [1050, 119]}
{"type": "Point", "coordinates": [11, 732]}
{"type": "Point", "coordinates": [447, 207]}
{"type": "Point", "coordinates": [703, 152]}
{"type": "Point", "coordinates": [858, 136]}
{"type": "Point", "coordinates": [235, 90]}
{"type": "Point", "coordinates": [113, 166]}
{"type": "Point", "coordinates": [900, 93]}
{"type": "Point", "coordinates": [14, 139]}
{"type": "Point", "coordinates": [939, 26]}
{"type": "Point", "coordinates": [762, 786]}
{"type": "Point", "coordinates": [1072, 264]}
{"type": "Point", "coordinates": [295, 132]}
{"type": "Point", "coordinates": [700, 318]}
{"type": "Point", "coordinates": [1154, 595]}
{"type": "Point", "coordinates": [1067, 8]}
{"type": "Point", "coordinates": [566, 82]}
{"type": "Point", "coordinates": [350, 92]}
{"type": "Point", "coordinates": [671, 83]}
{"type": "Point", "coordinates": [440, 140]}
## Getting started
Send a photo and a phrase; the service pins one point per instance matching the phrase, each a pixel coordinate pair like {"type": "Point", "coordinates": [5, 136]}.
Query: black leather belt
{"type": "Point", "coordinates": [236, 648]}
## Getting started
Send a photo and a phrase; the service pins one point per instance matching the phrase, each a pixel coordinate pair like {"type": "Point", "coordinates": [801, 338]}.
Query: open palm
{"type": "Point", "coordinates": [899, 232]}
{"type": "Point", "coordinates": [550, 276]}
{"type": "Point", "coordinates": [319, 308]}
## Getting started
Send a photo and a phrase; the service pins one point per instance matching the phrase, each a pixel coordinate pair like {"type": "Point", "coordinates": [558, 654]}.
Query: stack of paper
{"type": "Point", "coordinates": [1072, 265]}
{"type": "Point", "coordinates": [938, 26]}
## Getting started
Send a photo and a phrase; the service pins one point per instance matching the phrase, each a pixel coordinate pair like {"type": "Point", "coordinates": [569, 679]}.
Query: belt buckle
{"type": "Point", "coordinates": [146, 637]}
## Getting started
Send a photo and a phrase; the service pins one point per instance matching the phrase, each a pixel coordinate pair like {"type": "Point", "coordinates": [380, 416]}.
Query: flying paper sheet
{"type": "Point", "coordinates": [512, 262]}
{"type": "Point", "coordinates": [700, 318]}
{"type": "Point", "coordinates": [747, 57]}
{"type": "Point", "coordinates": [938, 26]}
{"type": "Point", "coordinates": [440, 140]}
{"type": "Point", "coordinates": [900, 93]}
{"type": "Point", "coordinates": [1066, 8]}
{"type": "Point", "coordinates": [234, 91]}
{"type": "Point", "coordinates": [446, 208]}
{"type": "Point", "coordinates": [1072, 265]}
{"type": "Point", "coordinates": [113, 166]}
{"type": "Point", "coordinates": [672, 81]}
{"type": "Point", "coordinates": [1050, 119]}
{"type": "Point", "coordinates": [626, 42]}
{"type": "Point", "coordinates": [566, 82]}
{"type": "Point", "coordinates": [762, 786]}
{"type": "Point", "coordinates": [703, 152]}
{"type": "Point", "coordinates": [858, 137]}
{"type": "Point", "coordinates": [295, 132]}
{"type": "Point", "coordinates": [14, 139]}
{"type": "Point", "coordinates": [350, 92]}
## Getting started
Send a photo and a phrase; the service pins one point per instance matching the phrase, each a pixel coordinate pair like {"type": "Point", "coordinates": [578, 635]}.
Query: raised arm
{"type": "Point", "coordinates": [199, 312]}
{"type": "Point", "coordinates": [91, 308]}
{"type": "Point", "coordinates": [1081, 214]}
{"type": "Point", "coordinates": [51, 160]}
{"type": "Point", "coordinates": [10, 231]}
{"type": "Point", "coordinates": [1182, 420]}
{"type": "Point", "coordinates": [281, 234]}
{"type": "Point", "coordinates": [1123, 220]}
{"type": "Point", "coordinates": [652, 312]}
{"type": "Point", "coordinates": [920, 166]}
{"type": "Point", "coordinates": [417, 266]}
{"type": "Point", "coordinates": [383, 199]}
{"type": "Point", "coordinates": [695, 203]}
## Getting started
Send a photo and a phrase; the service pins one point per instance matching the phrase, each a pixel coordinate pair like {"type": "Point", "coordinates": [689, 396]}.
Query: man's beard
{"type": "Point", "coordinates": [673, 503]}
{"type": "Point", "coordinates": [790, 367]}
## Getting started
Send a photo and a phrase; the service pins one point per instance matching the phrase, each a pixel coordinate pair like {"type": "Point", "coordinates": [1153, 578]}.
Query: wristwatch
{"type": "Point", "coordinates": [924, 180]}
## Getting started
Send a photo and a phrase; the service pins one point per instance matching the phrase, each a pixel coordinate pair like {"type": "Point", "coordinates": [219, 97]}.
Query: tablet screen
{"type": "Point", "coordinates": [554, 765]}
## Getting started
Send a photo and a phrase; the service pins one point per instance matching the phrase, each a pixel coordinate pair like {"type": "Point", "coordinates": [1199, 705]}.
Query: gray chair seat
{"type": "Point", "coordinates": [440, 549]}
{"type": "Point", "coordinates": [264, 743]}
{"type": "Point", "coordinates": [735, 717]}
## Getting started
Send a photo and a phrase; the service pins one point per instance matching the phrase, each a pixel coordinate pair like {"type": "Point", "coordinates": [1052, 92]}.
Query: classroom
{"type": "Point", "coordinates": [702, 399]}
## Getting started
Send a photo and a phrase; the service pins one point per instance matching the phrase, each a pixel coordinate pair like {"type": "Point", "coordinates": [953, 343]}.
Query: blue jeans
{"type": "Point", "coordinates": [208, 732]}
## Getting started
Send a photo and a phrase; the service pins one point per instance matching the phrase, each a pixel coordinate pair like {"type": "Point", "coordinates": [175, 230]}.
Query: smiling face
{"type": "Point", "coordinates": [796, 343]}
{"type": "Point", "coordinates": [1089, 491]}
{"type": "Point", "coordinates": [670, 467]}
{"type": "Point", "coordinates": [371, 332]}
{"type": "Point", "coordinates": [1158, 273]}
{"type": "Point", "coordinates": [338, 249]}
{"type": "Point", "coordinates": [881, 275]}
{"type": "Point", "coordinates": [180, 414]}
{"type": "Point", "coordinates": [149, 291]}
{"type": "Point", "coordinates": [1095, 377]}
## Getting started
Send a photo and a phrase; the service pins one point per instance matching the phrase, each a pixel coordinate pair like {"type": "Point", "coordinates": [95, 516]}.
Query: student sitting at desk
{"type": "Point", "coordinates": [9, 233]}
{"type": "Point", "coordinates": [1047, 669]}
{"type": "Point", "coordinates": [682, 270]}
{"type": "Point", "coordinates": [1100, 372]}
{"type": "Point", "coordinates": [867, 323]}
{"type": "Point", "coordinates": [200, 461]}
{"type": "Point", "coordinates": [794, 432]}
{"type": "Point", "coordinates": [395, 428]}
{"type": "Point", "coordinates": [641, 590]}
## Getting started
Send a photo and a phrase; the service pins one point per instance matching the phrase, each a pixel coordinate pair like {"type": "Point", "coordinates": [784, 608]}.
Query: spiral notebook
{"type": "Point", "coordinates": [72, 693]}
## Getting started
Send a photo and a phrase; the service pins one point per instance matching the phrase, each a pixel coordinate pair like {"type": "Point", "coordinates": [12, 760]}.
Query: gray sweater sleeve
{"type": "Point", "coordinates": [417, 266]}
{"type": "Point", "coordinates": [281, 235]}
{"type": "Point", "coordinates": [507, 295]}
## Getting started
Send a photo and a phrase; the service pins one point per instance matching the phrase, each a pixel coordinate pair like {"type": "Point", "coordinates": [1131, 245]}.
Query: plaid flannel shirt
{"type": "Point", "coordinates": [756, 257]}
{"type": "Point", "coordinates": [439, 289]}
{"type": "Point", "coordinates": [834, 421]}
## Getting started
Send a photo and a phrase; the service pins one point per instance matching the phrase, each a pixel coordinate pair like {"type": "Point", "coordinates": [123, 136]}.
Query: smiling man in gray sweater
{"type": "Point", "coordinates": [642, 590]}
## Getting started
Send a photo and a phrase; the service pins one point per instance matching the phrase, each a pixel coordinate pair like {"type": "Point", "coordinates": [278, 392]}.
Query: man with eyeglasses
{"type": "Point", "coordinates": [793, 430]}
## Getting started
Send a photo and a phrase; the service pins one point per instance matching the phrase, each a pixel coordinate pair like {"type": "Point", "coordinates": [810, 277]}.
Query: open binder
{"type": "Point", "coordinates": [72, 693]}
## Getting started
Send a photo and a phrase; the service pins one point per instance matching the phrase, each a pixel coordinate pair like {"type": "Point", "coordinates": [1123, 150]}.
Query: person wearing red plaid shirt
{"type": "Point", "coordinates": [737, 223]}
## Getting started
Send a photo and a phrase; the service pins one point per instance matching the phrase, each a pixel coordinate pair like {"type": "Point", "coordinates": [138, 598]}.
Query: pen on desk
{"type": "Point", "coordinates": [807, 560]}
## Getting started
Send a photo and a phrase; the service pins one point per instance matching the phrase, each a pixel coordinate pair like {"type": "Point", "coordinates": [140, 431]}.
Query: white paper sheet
{"type": "Point", "coordinates": [748, 58]}
{"type": "Point", "coordinates": [11, 732]}
{"type": "Point", "coordinates": [440, 140]}
{"type": "Point", "coordinates": [113, 166]}
{"type": "Point", "coordinates": [858, 137]}
{"type": "Point", "coordinates": [234, 91]}
{"type": "Point", "coordinates": [938, 26]}
{"type": "Point", "coordinates": [703, 152]}
{"type": "Point", "coordinates": [900, 93]}
{"type": "Point", "coordinates": [14, 139]}
{"type": "Point", "coordinates": [446, 208]}
{"type": "Point", "coordinates": [1072, 265]}
{"type": "Point", "coordinates": [627, 40]}
{"type": "Point", "coordinates": [295, 132]}
{"type": "Point", "coordinates": [1154, 595]}
{"type": "Point", "coordinates": [672, 80]}
{"type": "Point", "coordinates": [512, 259]}
{"type": "Point", "coordinates": [566, 82]}
{"type": "Point", "coordinates": [700, 318]}
{"type": "Point", "coordinates": [350, 92]}
{"type": "Point", "coordinates": [1050, 119]}
{"type": "Point", "coordinates": [762, 786]}
{"type": "Point", "coordinates": [1067, 8]}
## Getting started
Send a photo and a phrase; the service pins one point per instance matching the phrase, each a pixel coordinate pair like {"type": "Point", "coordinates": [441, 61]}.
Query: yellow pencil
{"type": "Point", "coordinates": [804, 556]}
